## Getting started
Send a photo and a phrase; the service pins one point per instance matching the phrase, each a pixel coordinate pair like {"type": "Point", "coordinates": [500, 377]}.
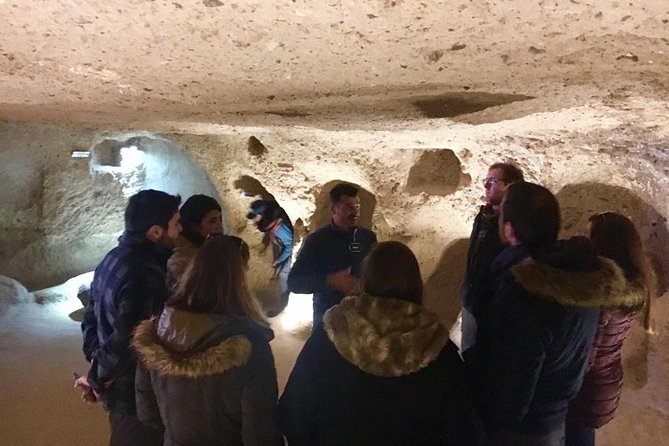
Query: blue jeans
{"type": "Point", "coordinates": [581, 437]}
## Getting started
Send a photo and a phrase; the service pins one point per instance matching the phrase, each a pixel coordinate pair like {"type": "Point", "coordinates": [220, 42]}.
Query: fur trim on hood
{"type": "Point", "coordinates": [231, 352]}
{"type": "Point", "coordinates": [604, 287]}
{"type": "Point", "coordinates": [383, 336]}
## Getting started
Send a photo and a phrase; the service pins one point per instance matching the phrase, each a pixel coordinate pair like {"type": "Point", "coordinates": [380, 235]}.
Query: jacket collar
{"type": "Point", "coordinates": [338, 230]}
{"type": "Point", "coordinates": [383, 336]}
{"type": "Point", "coordinates": [570, 273]}
{"type": "Point", "coordinates": [182, 343]}
{"type": "Point", "coordinates": [230, 353]}
{"type": "Point", "coordinates": [603, 287]}
{"type": "Point", "coordinates": [136, 240]}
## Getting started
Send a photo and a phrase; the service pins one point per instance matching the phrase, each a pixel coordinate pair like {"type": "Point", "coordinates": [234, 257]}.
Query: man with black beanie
{"type": "Point", "coordinates": [201, 217]}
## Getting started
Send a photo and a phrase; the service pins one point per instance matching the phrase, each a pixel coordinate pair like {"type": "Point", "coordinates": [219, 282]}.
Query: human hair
{"type": "Point", "coordinates": [243, 249]}
{"type": "Point", "coordinates": [391, 270]}
{"type": "Point", "coordinates": [615, 237]}
{"type": "Point", "coordinates": [215, 281]}
{"type": "Point", "coordinates": [342, 189]}
{"type": "Point", "coordinates": [510, 172]}
{"type": "Point", "coordinates": [195, 208]}
{"type": "Point", "coordinates": [150, 207]}
{"type": "Point", "coordinates": [534, 213]}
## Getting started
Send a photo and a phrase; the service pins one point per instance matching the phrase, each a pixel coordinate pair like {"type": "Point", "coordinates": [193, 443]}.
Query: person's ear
{"type": "Point", "coordinates": [154, 233]}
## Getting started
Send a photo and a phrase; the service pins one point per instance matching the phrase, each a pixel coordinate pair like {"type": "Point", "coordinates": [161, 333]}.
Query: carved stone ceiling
{"type": "Point", "coordinates": [130, 61]}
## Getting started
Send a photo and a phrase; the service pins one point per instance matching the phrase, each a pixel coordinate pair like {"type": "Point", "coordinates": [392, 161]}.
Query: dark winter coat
{"type": "Point", "coordinates": [128, 287]}
{"type": "Point", "coordinates": [179, 260]}
{"type": "Point", "coordinates": [207, 380]}
{"type": "Point", "coordinates": [543, 326]}
{"type": "Point", "coordinates": [379, 371]}
{"type": "Point", "coordinates": [597, 401]}
{"type": "Point", "coordinates": [327, 251]}
{"type": "Point", "coordinates": [484, 245]}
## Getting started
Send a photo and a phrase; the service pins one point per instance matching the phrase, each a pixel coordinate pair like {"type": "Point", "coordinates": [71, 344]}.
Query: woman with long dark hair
{"type": "Point", "coordinates": [206, 373]}
{"type": "Point", "coordinates": [614, 237]}
{"type": "Point", "coordinates": [380, 369]}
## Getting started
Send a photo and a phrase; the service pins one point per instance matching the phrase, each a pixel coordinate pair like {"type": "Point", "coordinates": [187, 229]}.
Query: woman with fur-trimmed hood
{"type": "Point", "coordinates": [381, 369]}
{"type": "Point", "coordinates": [206, 373]}
{"type": "Point", "coordinates": [614, 237]}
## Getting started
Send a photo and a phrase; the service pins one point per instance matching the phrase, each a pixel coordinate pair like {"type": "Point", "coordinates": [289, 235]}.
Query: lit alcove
{"type": "Point", "coordinates": [119, 167]}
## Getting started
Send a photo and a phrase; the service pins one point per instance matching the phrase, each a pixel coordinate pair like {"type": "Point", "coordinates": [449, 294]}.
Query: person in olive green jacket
{"type": "Point", "coordinates": [200, 217]}
{"type": "Point", "coordinates": [206, 373]}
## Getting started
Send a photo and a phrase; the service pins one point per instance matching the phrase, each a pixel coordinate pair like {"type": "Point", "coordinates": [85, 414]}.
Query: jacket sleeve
{"type": "Point", "coordinates": [147, 406]}
{"type": "Point", "coordinates": [604, 319]}
{"type": "Point", "coordinates": [307, 275]}
{"type": "Point", "coordinates": [516, 359]}
{"type": "Point", "coordinates": [284, 234]}
{"type": "Point", "coordinates": [89, 328]}
{"type": "Point", "coordinates": [176, 265]}
{"type": "Point", "coordinates": [260, 425]}
{"type": "Point", "coordinates": [298, 406]}
{"type": "Point", "coordinates": [133, 302]}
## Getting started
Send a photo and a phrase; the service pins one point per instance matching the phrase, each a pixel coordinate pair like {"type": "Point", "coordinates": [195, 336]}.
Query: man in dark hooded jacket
{"type": "Point", "coordinates": [128, 287]}
{"type": "Point", "coordinates": [542, 324]}
{"type": "Point", "coordinates": [484, 245]}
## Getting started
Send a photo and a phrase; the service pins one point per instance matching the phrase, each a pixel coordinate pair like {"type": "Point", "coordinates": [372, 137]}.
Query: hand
{"type": "Point", "coordinates": [344, 282]}
{"type": "Point", "coordinates": [87, 393]}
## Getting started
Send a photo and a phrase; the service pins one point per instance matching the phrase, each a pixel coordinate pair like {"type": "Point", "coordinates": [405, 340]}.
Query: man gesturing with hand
{"type": "Point", "coordinates": [328, 264]}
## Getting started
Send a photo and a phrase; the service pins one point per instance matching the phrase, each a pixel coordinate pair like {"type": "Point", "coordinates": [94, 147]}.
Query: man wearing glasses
{"type": "Point", "coordinates": [484, 246]}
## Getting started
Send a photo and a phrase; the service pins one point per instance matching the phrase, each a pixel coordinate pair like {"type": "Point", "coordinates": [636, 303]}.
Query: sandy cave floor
{"type": "Point", "coordinates": [41, 348]}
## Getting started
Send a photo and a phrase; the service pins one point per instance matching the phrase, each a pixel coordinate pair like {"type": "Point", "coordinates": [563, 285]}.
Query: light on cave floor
{"type": "Point", "coordinates": [64, 296]}
{"type": "Point", "coordinates": [298, 313]}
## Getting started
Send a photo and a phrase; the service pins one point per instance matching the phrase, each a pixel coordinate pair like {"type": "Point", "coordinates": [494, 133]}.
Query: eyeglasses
{"type": "Point", "coordinates": [490, 181]}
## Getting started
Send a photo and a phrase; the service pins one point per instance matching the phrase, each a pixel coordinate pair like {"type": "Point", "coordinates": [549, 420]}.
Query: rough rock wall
{"type": "Point", "coordinates": [422, 177]}
{"type": "Point", "coordinates": [56, 220]}
{"type": "Point", "coordinates": [60, 215]}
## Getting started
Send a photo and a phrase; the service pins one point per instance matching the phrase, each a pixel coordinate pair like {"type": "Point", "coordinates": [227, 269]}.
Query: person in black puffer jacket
{"type": "Point", "coordinates": [380, 370]}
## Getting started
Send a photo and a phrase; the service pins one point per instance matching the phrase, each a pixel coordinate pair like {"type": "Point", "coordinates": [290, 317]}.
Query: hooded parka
{"type": "Point", "coordinates": [544, 322]}
{"type": "Point", "coordinates": [207, 379]}
{"type": "Point", "coordinates": [380, 371]}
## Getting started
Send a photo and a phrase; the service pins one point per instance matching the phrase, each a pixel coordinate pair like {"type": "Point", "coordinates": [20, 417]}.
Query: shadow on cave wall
{"type": "Point", "coordinates": [252, 187]}
{"type": "Point", "coordinates": [578, 202]}
{"type": "Point", "coordinates": [322, 215]}
{"type": "Point", "coordinates": [442, 288]}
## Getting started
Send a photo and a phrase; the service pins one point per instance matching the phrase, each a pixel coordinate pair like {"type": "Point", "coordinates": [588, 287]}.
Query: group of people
{"type": "Point", "coordinates": [180, 354]}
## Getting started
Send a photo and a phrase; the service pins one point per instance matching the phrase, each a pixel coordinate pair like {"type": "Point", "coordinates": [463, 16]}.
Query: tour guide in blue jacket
{"type": "Point", "coordinates": [328, 264]}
